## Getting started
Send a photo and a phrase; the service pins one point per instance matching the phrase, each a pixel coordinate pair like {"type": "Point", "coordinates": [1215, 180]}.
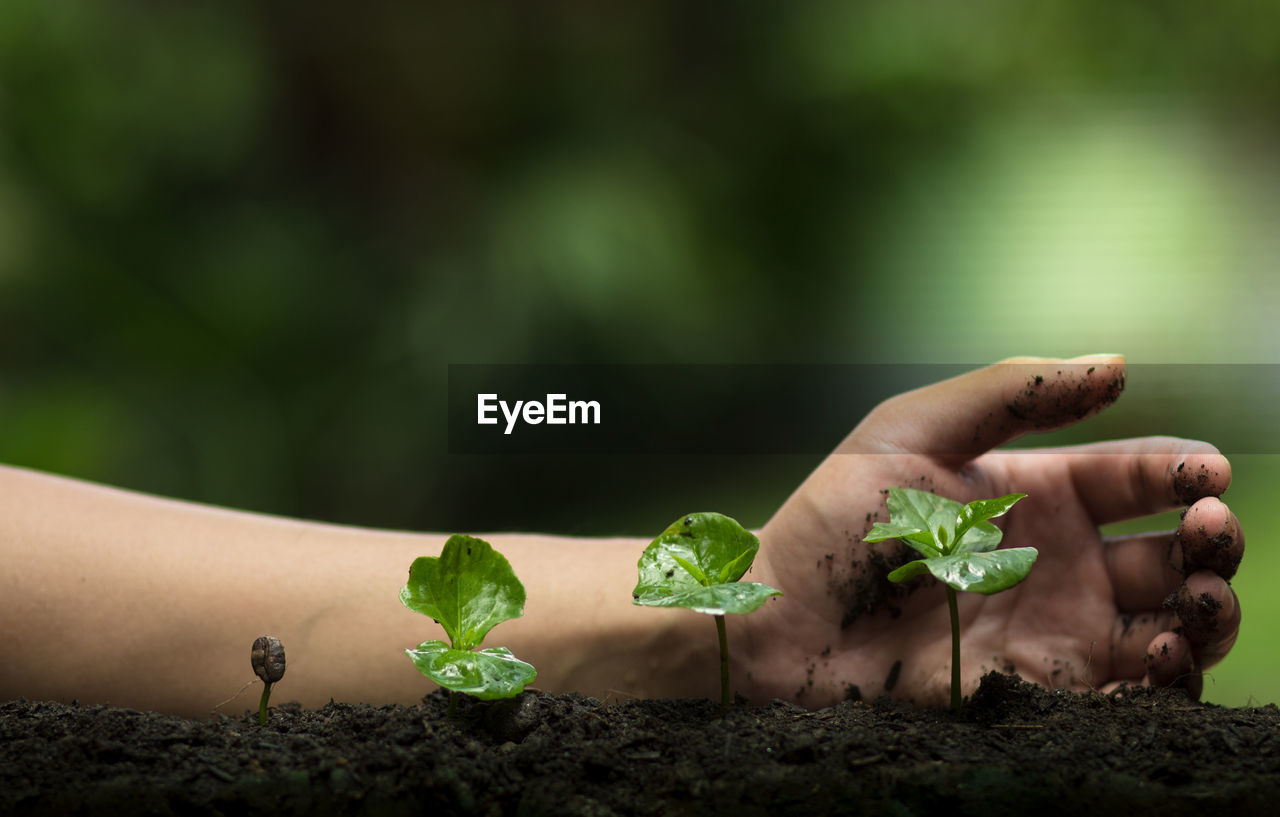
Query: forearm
{"type": "Point", "coordinates": [107, 595]}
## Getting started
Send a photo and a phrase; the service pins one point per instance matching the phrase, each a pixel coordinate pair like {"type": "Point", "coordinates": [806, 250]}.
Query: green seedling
{"type": "Point", "coordinates": [959, 546]}
{"type": "Point", "coordinates": [468, 589]}
{"type": "Point", "coordinates": [267, 658]}
{"type": "Point", "coordinates": [696, 563]}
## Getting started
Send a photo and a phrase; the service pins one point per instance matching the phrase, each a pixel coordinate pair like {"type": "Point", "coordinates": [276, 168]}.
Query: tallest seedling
{"type": "Point", "coordinates": [959, 547]}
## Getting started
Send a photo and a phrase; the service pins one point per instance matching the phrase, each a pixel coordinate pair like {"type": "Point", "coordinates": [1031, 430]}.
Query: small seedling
{"type": "Point", "coordinates": [468, 589]}
{"type": "Point", "coordinates": [959, 546]}
{"type": "Point", "coordinates": [696, 563]}
{"type": "Point", "coordinates": [267, 658]}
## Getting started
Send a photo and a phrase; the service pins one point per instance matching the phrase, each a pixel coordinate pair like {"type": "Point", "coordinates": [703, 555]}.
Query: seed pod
{"type": "Point", "coordinates": [268, 658]}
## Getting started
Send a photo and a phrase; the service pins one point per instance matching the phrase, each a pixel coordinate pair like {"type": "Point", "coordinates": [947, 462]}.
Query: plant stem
{"type": "Point", "coordinates": [724, 662]}
{"type": "Point", "coordinates": [262, 704]}
{"type": "Point", "coordinates": [955, 648]}
{"type": "Point", "coordinates": [453, 705]}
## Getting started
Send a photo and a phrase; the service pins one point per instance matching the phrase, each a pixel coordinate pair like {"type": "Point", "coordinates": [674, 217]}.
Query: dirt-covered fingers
{"type": "Point", "coordinates": [1187, 632]}
{"type": "Point", "coordinates": [1170, 662]}
{"type": "Point", "coordinates": [1208, 614]}
{"type": "Point", "coordinates": [966, 416]}
{"type": "Point", "coordinates": [1125, 479]}
{"type": "Point", "coordinates": [1145, 568]}
{"type": "Point", "coordinates": [1130, 642]}
{"type": "Point", "coordinates": [1210, 538]}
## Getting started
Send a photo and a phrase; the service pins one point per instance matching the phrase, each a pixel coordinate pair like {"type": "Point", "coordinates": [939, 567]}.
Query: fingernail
{"type": "Point", "coordinates": [1106, 358]}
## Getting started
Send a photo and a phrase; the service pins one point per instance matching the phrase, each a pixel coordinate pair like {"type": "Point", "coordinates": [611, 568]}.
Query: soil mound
{"type": "Point", "coordinates": [1014, 749]}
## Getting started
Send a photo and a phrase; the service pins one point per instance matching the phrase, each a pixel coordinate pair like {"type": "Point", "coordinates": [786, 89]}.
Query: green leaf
{"type": "Point", "coordinates": [980, 538]}
{"type": "Point", "coordinates": [984, 573]}
{"type": "Point", "coordinates": [716, 599]}
{"type": "Point", "coordinates": [486, 674]}
{"type": "Point", "coordinates": [469, 589]}
{"type": "Point", "coordinates": [910, 570]}
{"type": "Point", "coordinates": [710, 543]}
{"type": "Point", "coordinates": [937, 526]}
{"type": "Point", "coordinates": [922, 510]}
{"type": "Point", "coordinates": [923, 520]}
{"type": "Point", "coordinates": [918, 539]}
{"type": "Point", "coordinates": [981, 510]}
{"type": "Point", "coordinates": [890, 530]}
{"type": "Point", "coordinates": [735, 569]}
{"type": "Point", "coordinates": [693, 570]}
{"type": "Point", "coordinates": [696, 563]}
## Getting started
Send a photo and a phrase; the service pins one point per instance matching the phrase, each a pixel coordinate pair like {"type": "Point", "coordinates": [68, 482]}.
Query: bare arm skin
{"type": "Point", "coordinates": [107, 595]}
{"type": "Point", "coordinates": [112, 596]}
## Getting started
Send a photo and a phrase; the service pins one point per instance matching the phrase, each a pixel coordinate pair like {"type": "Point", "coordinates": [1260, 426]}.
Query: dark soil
{"type": "Point", "coordinates": [1015, 749]}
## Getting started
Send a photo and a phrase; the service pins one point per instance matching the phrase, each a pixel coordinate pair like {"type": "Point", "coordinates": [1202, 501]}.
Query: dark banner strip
{"type": "Point", "coordinates": [810, 409]}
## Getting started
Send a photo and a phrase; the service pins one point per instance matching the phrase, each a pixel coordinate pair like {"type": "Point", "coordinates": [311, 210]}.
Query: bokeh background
{"type": "Point", "coordinates": [241, 242]}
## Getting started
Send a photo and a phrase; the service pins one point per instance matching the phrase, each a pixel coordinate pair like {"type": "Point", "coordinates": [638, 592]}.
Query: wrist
{"type": "Point", "coordinates": [758, 640]}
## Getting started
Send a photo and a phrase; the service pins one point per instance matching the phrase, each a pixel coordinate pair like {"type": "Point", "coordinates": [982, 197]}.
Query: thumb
{"type": "Point", "coordinates": [961, 418]}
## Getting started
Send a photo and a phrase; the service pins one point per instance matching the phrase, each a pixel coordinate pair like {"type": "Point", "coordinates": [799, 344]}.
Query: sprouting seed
{"type": "Point", "coordinates": [267, 658]}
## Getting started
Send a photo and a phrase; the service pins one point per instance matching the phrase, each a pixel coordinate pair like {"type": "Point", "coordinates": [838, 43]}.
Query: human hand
{"type": "Point", "coordinates": [1093, 613]}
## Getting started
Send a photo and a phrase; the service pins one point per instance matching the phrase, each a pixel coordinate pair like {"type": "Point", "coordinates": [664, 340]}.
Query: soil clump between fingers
{"type": "Point", "coordinates": [1014, 749]}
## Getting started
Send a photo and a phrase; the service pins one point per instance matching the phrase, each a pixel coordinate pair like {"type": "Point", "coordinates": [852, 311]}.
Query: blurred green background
{"type": "Point", "coordinates": [240, 242]}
